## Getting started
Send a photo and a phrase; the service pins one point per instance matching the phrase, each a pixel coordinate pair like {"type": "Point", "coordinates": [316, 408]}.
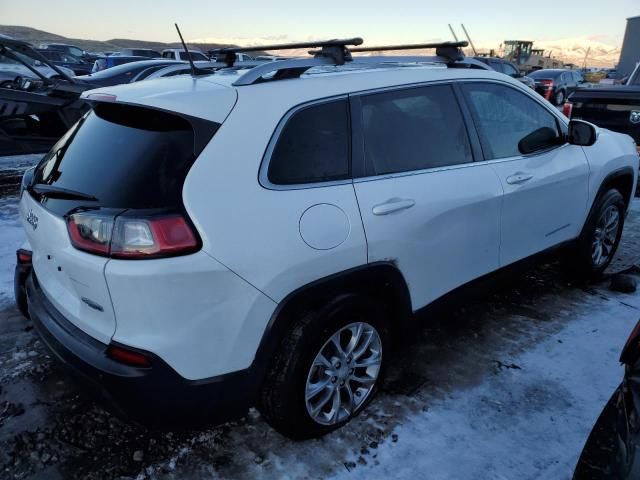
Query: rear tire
{"type": "Point", "coordinates": [600, 235]}
{"type": "Point", "coordinates": [308, 369]}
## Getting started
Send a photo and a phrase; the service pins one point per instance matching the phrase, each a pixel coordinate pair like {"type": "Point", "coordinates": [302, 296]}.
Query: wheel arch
{"type": "Point", "coordinates": [382, 280]}
{"type": "Point", "coordinates": [620, 179]}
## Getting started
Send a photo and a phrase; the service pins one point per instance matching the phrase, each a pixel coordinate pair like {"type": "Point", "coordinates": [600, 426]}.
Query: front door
{"type": "Point", "coordinates": [546, 190]}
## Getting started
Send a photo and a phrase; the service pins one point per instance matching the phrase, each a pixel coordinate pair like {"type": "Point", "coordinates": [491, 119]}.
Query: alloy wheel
{"type": "Point", "coordinates": [343, 373]}
{"type": "Point", "coordinates": [605, 236]}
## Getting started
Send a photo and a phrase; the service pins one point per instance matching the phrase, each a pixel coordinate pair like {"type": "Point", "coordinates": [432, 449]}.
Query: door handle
{"type": "Point", "coordinates": [519, 178]}
{"type": "Point", "coordinates": [393, 205]}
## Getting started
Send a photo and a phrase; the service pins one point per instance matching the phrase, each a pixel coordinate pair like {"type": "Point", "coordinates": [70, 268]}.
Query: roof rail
{"type": "Point", "coordinates": [335, 49]}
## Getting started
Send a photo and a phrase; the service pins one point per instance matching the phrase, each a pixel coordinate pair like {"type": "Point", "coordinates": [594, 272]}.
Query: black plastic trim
{"type": "Point", "coordinates": [156, 396]}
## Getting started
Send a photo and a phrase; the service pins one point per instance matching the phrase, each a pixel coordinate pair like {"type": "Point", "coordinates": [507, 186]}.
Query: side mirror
{"type": "Point", "coordinates": [582, 133]}
{"type": "Point", "coordinates": [539, 139]}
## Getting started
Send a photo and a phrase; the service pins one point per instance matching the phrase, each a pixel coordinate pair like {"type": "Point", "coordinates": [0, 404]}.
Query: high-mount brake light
{"type": "Point", "coordinates": [131, 237]}
{"type": "Point", "coordinates": [567, 108]}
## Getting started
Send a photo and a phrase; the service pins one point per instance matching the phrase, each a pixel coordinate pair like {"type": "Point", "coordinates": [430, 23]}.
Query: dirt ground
{"type": "Point", "coordinates": [51, 427]}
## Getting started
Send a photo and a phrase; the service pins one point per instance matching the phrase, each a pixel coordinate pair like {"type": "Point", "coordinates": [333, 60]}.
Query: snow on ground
{"type": "Point", "coordinates": [528, 422]}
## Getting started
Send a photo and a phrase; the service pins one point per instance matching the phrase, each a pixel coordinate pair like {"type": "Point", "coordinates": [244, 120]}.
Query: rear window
{"type": "Point", "coordinates": [125, 156]}
{"type": "Point", "coordinates": [544, 74]}
{"type": "Point", "coordinates": [313, 146]}
{"type": "Point", "coordinates": [195, 56]}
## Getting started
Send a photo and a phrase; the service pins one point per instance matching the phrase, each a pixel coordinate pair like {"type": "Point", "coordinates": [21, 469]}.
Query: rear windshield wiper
{"type": "Point", "coordinates": [50, 191]}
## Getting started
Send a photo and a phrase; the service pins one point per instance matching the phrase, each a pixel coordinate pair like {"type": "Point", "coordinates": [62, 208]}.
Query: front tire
{"type": "Point", "coordinates": [327, 369]}
{"type": "Point", "coordinates": [601, 234]}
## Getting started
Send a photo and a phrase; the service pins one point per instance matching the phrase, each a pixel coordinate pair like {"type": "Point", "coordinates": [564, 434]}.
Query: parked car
{"type": "Point", "coordinates": [508, 68]}
{"type": "Point", "coordinates": [127, 72]}
{"type": "Point", "coordinates": [70, 50]}
{"type": "Point", "coordinates": [241, 57]}
{"type": "Point", "coordinates": [79, 66]}
{"type": "Point", "coordinates": [13, 69]}
{"type": "Point", "coordinates": [556, 85]}
{"type": "Point", "coordinates": [113, 61]}
{"type": "Point", "coordinates": [174, 69]}
{"type": "Point", "coordinates": [611, 451]}
{"type": "Point", "coordinates": [180, 54]}
{"type": "Point", "coordinates": [137, 52]}
{"type": "Point", "coordinates": [191, 275]}
{"type": "Point", "coordinates": [616, 107]}
{"type": "Point", "coordinates": [39, 102]}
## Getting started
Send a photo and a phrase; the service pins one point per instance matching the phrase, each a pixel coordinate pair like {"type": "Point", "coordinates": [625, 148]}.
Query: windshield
{"type": "Point", "coordinates": [7, 60]}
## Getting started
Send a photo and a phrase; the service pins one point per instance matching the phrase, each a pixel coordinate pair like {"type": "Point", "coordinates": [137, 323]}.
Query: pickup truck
{"type": "Point", "coordinates": [614, 107]}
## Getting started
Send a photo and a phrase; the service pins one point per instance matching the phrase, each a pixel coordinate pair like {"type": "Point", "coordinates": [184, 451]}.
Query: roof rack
{"type": "Point", "coordinates": [334, 49]}
{"type": "Point", "coordinates": [449, 50]}
{"type": "Point", "coordinates": [332, 52]}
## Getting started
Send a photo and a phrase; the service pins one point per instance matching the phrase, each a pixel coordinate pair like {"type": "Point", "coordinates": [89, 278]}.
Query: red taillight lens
{"type": "Point", "coordinates": [24, 256]}
{"type": "Point", "coordinates": [567, 108]}
{"type": "Point", "coordinates": [631, 349]}
{"type": "Point", "coordinates": [128, 357]}
{"type": "Point", "coordinates": [130, 236]}
{"type": "Point", "coordinates": [546, 83]}
{"type": "Point", "coordinates": [91, 232]}
{"type": "Point", "coordinates": [152, 237]}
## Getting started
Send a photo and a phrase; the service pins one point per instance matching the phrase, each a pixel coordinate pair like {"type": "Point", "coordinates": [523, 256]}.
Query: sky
{"type": "Point", "coordinates": [251, 22]}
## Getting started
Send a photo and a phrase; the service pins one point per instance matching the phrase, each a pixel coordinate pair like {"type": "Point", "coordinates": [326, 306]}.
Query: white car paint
{"type": "Point", "coordinates": [205, 313]}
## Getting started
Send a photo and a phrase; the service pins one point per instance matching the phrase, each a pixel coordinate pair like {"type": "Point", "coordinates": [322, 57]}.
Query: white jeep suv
{"type": "Point", "coordinates": [190, 275]}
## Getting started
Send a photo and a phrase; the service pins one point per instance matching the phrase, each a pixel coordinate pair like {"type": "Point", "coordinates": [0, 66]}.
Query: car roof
{"type": "Point", "coordinates": [196, 95]}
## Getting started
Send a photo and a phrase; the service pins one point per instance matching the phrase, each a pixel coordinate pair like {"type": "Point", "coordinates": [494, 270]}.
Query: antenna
{"type": "Point", "coordinates": [469, 38]}
{"type": "Point", "coordinates": [455, 37]}
{"type": "Point", "coordinates": [194, 70]}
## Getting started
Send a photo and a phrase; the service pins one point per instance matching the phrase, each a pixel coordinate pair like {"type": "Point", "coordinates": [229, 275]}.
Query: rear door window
{"type": "Point", "coordinates": [504, 116]}
{"type": "Point", "coordinates": [413, 129]}
{"type": "Point", "coordinates": [313, 146]}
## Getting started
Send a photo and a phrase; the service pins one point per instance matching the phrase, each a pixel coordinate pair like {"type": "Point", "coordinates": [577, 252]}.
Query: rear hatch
{"type": "Point", "coordinates": [116, 160]}
{"type": "Point", "coordinates": [614, 108]}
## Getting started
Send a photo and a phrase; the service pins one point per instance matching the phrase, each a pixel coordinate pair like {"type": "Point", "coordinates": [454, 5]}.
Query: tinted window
{"type": "Point", "coordinates": [196, 56]}
{"type": "Point", "coordinates": [413, 129]}
{"type": "Point", "coordinates": [504, 116]}
{"type": "Point", "coordinates": [313, 146]}
{"type": "Point", "coordinates": [510, 69]}
{"type": "Point", "coordinates": [127, 157]}
{"type": "Point", "coordinates": [544, 74]}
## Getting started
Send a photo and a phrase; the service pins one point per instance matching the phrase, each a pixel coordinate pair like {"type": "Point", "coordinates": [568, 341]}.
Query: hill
{"type": "Point", "coordinates": [36, 37]}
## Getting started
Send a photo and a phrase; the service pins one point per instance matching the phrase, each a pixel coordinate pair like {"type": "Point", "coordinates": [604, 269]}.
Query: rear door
{"type": "Point", "coordinates": [545, 191]}
{"type": "Point", "coordinates": [425, 204]}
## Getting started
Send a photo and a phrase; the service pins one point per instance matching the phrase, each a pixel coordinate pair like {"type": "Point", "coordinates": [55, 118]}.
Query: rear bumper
{"type": "Point", "coordinates": [157, 395]}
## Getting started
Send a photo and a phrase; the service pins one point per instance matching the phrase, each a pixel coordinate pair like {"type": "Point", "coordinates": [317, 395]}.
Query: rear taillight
{"type": "Point", "coordinates": [152, 237]}
{"type": "Point", "coordinates": [24, 256]}
{"type": "Point", "coordinates": [546, 83]}
{"type": "Point", "coordinates": [566, 109]}
{"type": "Point", "coordinates": [132, 237]}
{"type": "Point", "coordinates": [631, 350]}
